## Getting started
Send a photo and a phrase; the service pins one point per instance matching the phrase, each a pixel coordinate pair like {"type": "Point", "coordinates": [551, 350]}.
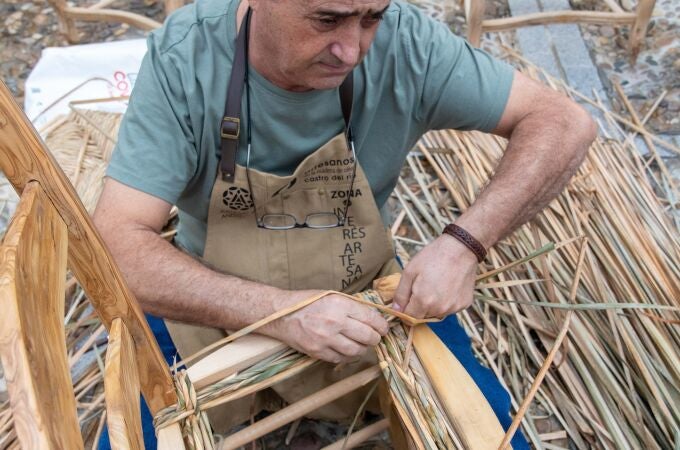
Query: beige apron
{"type": "Point", "coordinates": [344, 258]}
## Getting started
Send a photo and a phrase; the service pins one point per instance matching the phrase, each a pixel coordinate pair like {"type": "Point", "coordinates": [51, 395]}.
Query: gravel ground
{"type": "Point", "coordinates": [656, 70]}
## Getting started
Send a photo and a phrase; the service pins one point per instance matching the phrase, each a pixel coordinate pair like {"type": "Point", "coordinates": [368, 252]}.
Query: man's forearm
{"type": "Point", "coordinates": [542, 155]}
{"type": "Point", "coordinates": [172, 284]}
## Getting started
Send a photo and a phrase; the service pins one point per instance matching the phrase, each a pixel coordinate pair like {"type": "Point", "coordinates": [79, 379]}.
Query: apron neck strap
{"type": "Point", "coordinates": [230, 128]}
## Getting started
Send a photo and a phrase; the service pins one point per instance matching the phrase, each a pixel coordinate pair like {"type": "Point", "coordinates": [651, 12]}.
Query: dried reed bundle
{"type": "Point", "coordinates": [617, 383]}
{"type": "Point", "coordinates": [419, 409]}
{"type": "Point", "coordinates": [82, 143]}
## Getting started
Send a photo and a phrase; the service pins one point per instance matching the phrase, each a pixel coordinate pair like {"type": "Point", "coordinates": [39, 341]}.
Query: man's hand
{"type": "Point", "coordinates": [438, 281]}
{"type": "Point", "coordinates": [334, 328]}
{"type": "Point", "coordinates": [549, 137]}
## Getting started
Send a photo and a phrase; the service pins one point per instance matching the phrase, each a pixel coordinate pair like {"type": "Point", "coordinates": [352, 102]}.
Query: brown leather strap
{"type": "Point", "coordinates": [346, 100]}
{"type": "Point", "coordinates": [467, 240]}
{"type": "Point", "coordinates": [230, 127]}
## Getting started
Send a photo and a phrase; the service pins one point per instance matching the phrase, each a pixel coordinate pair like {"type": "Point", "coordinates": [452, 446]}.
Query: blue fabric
{"type": "Point", "coordinates": [169, 351]}
{"type": "Point", "coordinates": [455, 338]}
{"type": "Point", "coordinates": [448, 330]}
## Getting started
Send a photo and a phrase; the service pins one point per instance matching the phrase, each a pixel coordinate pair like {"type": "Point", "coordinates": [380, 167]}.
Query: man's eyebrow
{"type": "Point", "coordinates": [342, 14]}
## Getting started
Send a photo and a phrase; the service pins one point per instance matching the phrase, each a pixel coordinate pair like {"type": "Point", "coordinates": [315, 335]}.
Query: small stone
{"type": "Point", "coordinates": [13, 22]}
{"type": "Point", "coordinates": [607, 31]}
{"type": "Point", "coordinates": [40, 19]}
{"type": "Point", "coordinates": [621, 42]}
{"type": "Point", "coordinates": [676, 64]}
{"type": "Point", "coordinates": [37, 36]}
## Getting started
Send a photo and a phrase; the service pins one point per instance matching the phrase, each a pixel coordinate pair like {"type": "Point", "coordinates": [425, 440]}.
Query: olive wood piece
{"type": "Point", "coordinates": [32, 346]}
{"type": "Point", "coordinates": [24, 158]}
{"type": "Point", "coordinates": [121, 384]}
{"type": "Point", "coordinates": [231, 358]}
{"type": "Point", "coordinates": [170, 438]}
{"type": "Point", "coordinates": [465, 405]}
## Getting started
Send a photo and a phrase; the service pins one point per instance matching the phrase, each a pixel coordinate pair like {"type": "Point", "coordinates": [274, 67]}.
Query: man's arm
{"type": "Point", "coordinates": [172, 284]}
{"type": "Point", "coordinates": [549, 138]}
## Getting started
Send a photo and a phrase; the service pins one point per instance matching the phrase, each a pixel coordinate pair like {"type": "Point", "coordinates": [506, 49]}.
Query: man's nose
{"type": "Point", "coordinates": [348, 47]}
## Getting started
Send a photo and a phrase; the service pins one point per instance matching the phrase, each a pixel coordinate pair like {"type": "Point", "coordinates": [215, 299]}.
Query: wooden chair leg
{"type": "Point", "coordinates": [474, 15]}
{"type": "Point", "coordinates": [67, 25]}
{"type": "Point", "coordinates": [643, 14]}
{"type": "Point", "coordinates": [121, 384]}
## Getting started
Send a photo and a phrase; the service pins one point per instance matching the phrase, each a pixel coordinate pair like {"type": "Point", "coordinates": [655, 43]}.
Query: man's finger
{"type": "Point", "coordinates": [362, 333]}
{"type": "Point", "coordinates": [417, 306]}
{"type": "Point", "coordinates": [371, 318]}
{"type": "Point", "coordinates": [403, 293]}
{"type": "Point", "coordinates": [330, 355]}
{"type": "Point", "coordinates": [347, 348]}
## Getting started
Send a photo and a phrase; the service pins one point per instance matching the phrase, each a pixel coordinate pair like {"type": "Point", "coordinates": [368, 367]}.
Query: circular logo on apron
{"type": "Point", "coordinates": [237, 199]}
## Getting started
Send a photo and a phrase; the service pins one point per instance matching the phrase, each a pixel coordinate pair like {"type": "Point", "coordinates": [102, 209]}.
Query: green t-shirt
{"type": "Point", "coordinates": [417, 76]}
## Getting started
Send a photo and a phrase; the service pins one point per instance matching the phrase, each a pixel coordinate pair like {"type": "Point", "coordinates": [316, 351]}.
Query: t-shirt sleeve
{"type": "Point", "coordinates": [155, 152]}
{"type": "Point", "coordinates": [463, 87]}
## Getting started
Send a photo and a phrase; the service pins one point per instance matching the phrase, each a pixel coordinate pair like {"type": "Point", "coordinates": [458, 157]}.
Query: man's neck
{"type": "Point", "coordinates": [259, 56]}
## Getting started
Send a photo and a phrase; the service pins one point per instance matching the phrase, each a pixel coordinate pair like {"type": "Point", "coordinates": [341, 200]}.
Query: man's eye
{"type": "Point", "coordinates": [372, 20]}
{"type": "Point", "coordinates": [328, 20]}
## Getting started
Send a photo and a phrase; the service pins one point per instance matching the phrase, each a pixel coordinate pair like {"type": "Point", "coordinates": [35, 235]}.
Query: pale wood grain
{"type": "Point", "coordinates": [241, 353]}
{"type": "Point", "coordinates": [32, 345]}
{"type": "Point", "coordinates": [467, 408]}
{"type": "Point", "coordinates": [121, 385]}
{"type": "Point", "coordinates": [23, 157]}
{"type": "Point", "coordinates": [170, 438]}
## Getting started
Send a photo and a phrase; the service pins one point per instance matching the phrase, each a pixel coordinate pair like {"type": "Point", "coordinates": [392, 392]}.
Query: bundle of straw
{"type": "Point", "coordinates": [617, 382]}
{"type": "Point", "coordinates": [82, 143]}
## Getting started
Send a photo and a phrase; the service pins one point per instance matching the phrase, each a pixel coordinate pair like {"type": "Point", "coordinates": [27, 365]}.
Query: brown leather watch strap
{"type": "Point", "coordinates": [467, 239]}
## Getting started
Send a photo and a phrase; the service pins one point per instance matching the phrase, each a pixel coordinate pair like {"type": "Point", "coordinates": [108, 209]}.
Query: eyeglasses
{"type": "Point", "coordinates": [283, 221]}
{"type": "Point", "coordinates": [320, 220]}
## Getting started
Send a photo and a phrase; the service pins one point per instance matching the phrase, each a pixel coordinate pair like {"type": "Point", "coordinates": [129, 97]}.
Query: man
{"type": "Point", "coordinates": [298, 211]}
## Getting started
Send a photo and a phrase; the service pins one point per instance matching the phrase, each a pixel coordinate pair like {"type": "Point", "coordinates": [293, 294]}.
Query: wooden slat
{"type": "Point", "coordinates": [300, 408]}
{"type": "Point", "coordinates": [32, 345]}
{"type": "Point", "coordinates": [170, 438]}
{"type": "Point", "coordinates": [231, 358]}
{"type": "Point", "coordinates": [121, 386]}
{"type": "Point", "coordinates": [464, 403]}
{"type": "Point", "coordinates": [23, 157]}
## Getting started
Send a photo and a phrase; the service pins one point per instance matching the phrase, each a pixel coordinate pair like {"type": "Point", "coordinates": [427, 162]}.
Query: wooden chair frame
{"type": "Point", "coordinates": [52, 230]}
{"type": "Point", "coordinates": [100, 12]}
{"type": "Point", "coordinates": [474, 15]}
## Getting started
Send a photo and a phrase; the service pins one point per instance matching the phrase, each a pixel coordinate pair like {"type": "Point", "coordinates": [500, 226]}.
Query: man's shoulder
{"type": "Point", "coordinates": [196, 20]}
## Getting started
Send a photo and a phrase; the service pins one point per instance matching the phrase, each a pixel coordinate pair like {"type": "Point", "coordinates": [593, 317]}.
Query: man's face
{"type": "Point", "coordinates": [313, 44]}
